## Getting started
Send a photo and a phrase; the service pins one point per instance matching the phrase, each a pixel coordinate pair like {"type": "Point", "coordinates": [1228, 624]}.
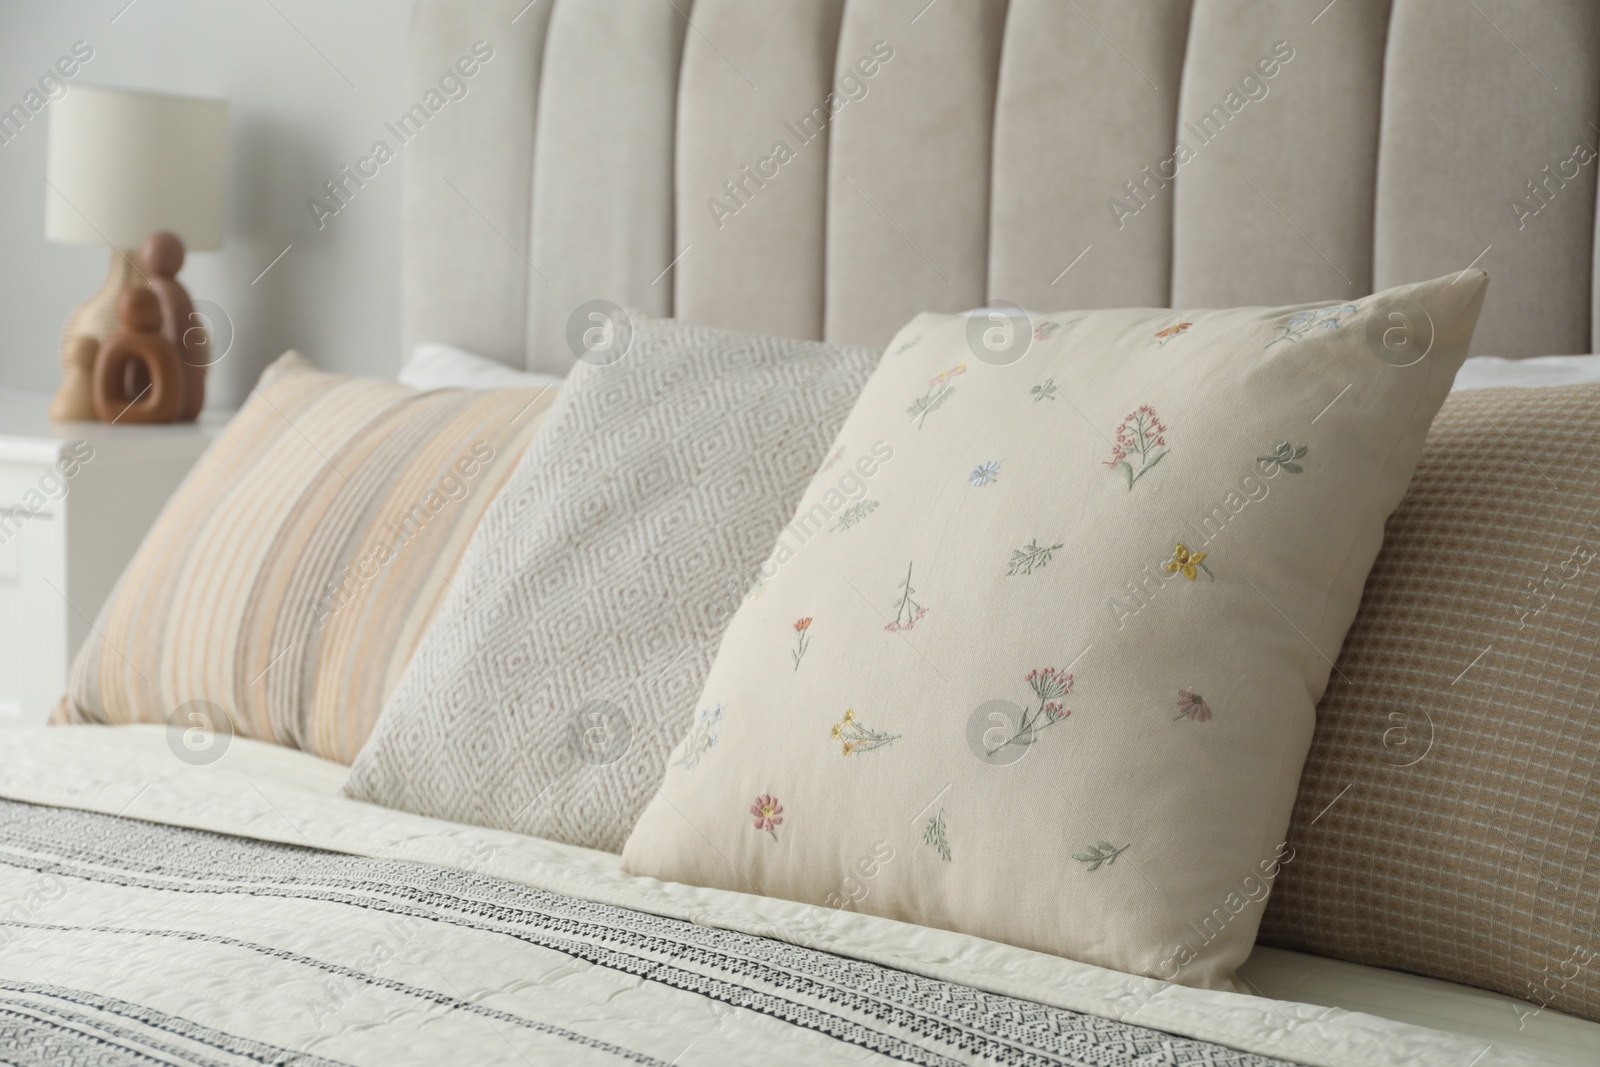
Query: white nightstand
{"type": "Point", "coordinates": [65, 539]}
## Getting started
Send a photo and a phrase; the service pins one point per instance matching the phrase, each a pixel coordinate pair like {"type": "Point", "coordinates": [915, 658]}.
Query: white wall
{"type": "Point", "coordinates": [311, 83]}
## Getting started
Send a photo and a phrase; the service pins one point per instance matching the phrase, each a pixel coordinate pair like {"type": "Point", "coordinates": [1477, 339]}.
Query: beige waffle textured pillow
{"type": "Point", "coordinates": [1054, 681]}
{"type": "Point", "coordinates": [1449, 815]}
{"type": "Point", "coordinates": [289, 579]}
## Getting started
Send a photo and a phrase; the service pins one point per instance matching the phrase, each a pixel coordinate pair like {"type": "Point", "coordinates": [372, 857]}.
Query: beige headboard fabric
{"type": "Point", "coordinates": [985, 156]}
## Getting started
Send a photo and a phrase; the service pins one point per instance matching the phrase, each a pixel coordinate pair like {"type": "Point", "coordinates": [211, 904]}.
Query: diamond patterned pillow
{"type": "Point", "coordinates": [565, 663]}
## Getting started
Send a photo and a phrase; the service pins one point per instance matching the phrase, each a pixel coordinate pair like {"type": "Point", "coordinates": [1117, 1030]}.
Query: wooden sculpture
{"type": "Point", "coordinates": [139, 344]}
{"type": "Point", "coordinates": [89, 324]}
{"type": "Point", "coordinates": [93, 323]}
{"type": "Point", "coordinates": [161, 258]}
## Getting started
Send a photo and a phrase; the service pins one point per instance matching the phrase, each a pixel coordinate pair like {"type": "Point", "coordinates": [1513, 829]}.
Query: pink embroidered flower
{"type": "Point", "coordinates": [906, 622]}
{"type": "Point", "coordinates": [1141, 441]}
{"type": "Point", "coordinates": [1050, 684]}
{"type": "Point", "coordinates": [802, 640]}
{"type": "Point", "coordinates": [1192, 705]}
{"type": "Point", "coordinates": [768, 814]}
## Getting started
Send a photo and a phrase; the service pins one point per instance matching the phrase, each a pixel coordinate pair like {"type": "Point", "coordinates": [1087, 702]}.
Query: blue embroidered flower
{"type": "Point", "coordinates": [1303, 322]}
{"type": "Point", "coordinates": [984, 473]}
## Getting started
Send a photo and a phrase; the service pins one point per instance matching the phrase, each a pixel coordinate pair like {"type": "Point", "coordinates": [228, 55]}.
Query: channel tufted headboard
{"type": "Point", "coordinates": [828, 168]}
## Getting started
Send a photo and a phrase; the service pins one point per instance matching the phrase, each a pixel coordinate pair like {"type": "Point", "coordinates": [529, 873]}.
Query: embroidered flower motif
{"type": "Point", "coordinates": [1049, 685]}
{"type": "Point", "coordinates": [1045, 329]}
{"type": "Point", "coordinates": [984, 473]}
{"type": "Point", "coordinates": [1045, 390]}
{"type": "Point", "coordinates": [939, 390]}
{"type": "Point", "coordinates": [1282, 458]}
{"type": "Point", "coordinates": [702, 735]}
{"type": "Point", "coordinates": [1175, 330]}
{"type": "Point", "coordinates": [934, 834]}
{"type": "Point", "coordinates": [1303, 322]}
{"type": "Point", "coordinates": [1186, 563]}
{"type": "Point", "coordinates": [1141, 443]}
{"type": "Point", "coordinates": [906, 611]}
{"type": "Point", "coordinates": [768, 814]}
{"type": "Point", "coordinates": [1030, 557]}
{"type": "Point", "coordinates": [854, 514]}
{"type": "Point", "coordinates": [1192, 705]}
{"type": "Point", "coordinates": [803, 640]}
{"type": "Point", "coordinates": [858, 738]}
{"type": "Point", "coordinates": [1100, 854]}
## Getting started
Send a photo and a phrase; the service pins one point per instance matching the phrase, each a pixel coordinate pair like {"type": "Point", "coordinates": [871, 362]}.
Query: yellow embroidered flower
{"type": "Point", "coordinates": [854, 737]}
{"type": "Point", "coordinates": [1184, 562]}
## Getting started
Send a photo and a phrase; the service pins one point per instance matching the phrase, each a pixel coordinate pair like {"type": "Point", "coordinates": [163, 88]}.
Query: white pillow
{"type": "Point", "coordinates": [440, 366]}
{"type": "Point", "coordinates": [1041, 665]}
{"type": "Point", "coordinates": [1492, 372]}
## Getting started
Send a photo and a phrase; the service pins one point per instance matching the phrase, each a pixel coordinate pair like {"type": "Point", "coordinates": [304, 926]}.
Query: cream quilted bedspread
{"type": "Point", "coordinates": [267, 968]}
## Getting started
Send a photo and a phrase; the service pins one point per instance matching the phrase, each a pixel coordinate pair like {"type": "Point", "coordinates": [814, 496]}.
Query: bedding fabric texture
{"type": "Point", "coordinates": [287, 582]}
{"type": "Point", "coordinates": [1490, 372]}
{"type": "Point", "coordinates": [1063, 660]}
{"type": "Point", "coordinates": [441, 366]}
{"type": "Point", "coordinates": [1450, 810]}
{"type": "Point", "coordinates": [346, 960]}
{"type": "Point", "coordinates": [366, 935]}
{"type": "Point", "coordinates": [566, 662]}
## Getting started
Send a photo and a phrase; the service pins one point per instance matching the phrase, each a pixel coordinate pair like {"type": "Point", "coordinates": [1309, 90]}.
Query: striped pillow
{"type": "Point", "coordinates": [290, 577]}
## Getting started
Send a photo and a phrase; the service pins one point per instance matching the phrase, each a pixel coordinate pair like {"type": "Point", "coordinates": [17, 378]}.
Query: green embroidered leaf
{"type": "Point", "coordinates": [931, 402]}
{"type": "Point", "coordinates": [854, 514]}
{"type": "Point", "coordinates": [1030, 557]}
{"type": "Point", "coordinates": [1101, 853]}
{"type": "Point", "coordinates": [1284, 456]}
{"type": "Point", "coordinates": [934, 834]}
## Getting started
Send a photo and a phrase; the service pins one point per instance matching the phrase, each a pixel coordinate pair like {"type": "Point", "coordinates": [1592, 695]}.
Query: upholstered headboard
{"type": "Point", "coordinates": [941, 154]}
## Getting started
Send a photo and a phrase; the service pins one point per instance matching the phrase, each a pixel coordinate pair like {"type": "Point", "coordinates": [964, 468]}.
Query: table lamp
{"type": "Point", "coordinates": [144, 173]}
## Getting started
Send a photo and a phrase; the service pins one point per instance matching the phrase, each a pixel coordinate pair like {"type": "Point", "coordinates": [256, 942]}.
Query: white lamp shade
{"type": "Point", "coordinates": [124, 163]}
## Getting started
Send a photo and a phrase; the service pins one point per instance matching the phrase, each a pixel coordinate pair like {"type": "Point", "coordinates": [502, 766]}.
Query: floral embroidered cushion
{"type": "Point", "coordinates": [1054, 683]}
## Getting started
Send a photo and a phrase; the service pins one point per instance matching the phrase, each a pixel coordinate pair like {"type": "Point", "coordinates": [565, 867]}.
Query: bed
{"type": "Point", "coordinates": [160, 909]}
